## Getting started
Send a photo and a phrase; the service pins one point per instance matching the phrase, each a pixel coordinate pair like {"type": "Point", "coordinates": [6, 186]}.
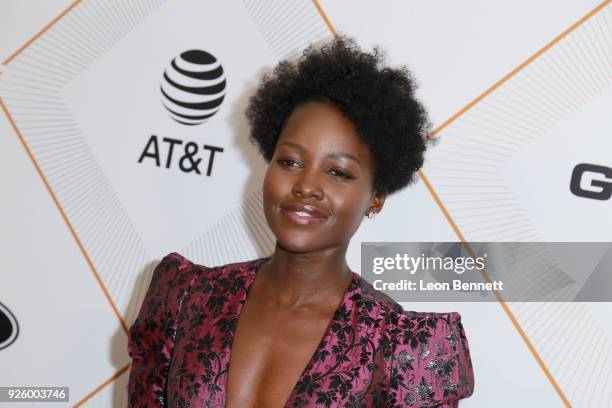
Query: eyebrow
{"type": "Point", "coordinates": [332, 153]}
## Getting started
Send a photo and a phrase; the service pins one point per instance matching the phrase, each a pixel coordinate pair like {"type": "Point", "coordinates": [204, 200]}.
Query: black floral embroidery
{"type": "Point", "coordinates": [374, 354]}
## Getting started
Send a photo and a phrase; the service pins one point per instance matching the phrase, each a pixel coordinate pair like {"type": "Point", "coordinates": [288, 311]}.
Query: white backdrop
{"type": "Point", "coordinates": [82, 222]}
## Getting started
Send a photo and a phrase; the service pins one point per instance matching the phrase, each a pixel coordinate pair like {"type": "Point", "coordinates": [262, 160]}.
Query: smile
{"type": "Point", "coordinates": [302, 217]}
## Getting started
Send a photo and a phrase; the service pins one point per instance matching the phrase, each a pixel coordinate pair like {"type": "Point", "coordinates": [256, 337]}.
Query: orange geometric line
{"type": "Point", "coordinates": [499, 297]}
{"type": "Point", "coordinates": [442, 206]}
{"type": "Point", "coordinates": [72, 231]}
{"type": "Point", "coordinates": [328, 23]}
{"type": "Point", "coordinates": [519, 68]}
{"type": "Point", "coordinates": [452, 222]}
{"type": "Point", "coordinates": [333, 31]}
{"type": "Point", "coordinates": [40, 33]}
{"type": "Point", "coordinates": [103, 385]}
{"type": "Point", "coordinates": [64, 216]}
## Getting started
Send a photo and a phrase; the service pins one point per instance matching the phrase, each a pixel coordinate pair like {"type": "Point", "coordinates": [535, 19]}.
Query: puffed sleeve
{"type": "Point", "coordinates": [151, 337]}
{"type": "Point", "coordinates": [431, 364]}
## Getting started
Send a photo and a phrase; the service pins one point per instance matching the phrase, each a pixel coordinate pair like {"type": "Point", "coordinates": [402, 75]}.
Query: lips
{"type": "Point", "coordinates": [303, 213]}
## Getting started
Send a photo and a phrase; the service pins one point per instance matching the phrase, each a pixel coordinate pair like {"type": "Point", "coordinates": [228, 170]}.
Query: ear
{"type": "Point", "coordinates": [377, 202]}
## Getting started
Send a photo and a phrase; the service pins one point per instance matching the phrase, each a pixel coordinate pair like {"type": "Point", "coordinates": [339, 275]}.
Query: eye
{"type": "Point", "coordinates": [340, 174]}
{"type": "Point", "coordinates": [287, 162]}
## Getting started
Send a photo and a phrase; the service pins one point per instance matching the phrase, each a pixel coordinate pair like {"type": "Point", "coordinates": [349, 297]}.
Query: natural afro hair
{"type": "Point", "coordinates": [377, 99]}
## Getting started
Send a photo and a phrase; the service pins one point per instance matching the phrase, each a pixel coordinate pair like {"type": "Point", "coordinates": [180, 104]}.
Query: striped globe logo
{"type": "Point", "coordinates": [193, 87]}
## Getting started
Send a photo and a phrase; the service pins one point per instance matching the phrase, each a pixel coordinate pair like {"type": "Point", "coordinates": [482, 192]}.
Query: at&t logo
{"type": "Point", "coordinates": [192, 88]}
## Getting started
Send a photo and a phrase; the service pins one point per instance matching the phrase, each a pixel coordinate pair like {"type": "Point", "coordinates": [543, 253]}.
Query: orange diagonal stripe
{"type": "Point", "coordinates": [40, 33]}
{"type": "Point", "coordinates": [447, 215]}
{"type": "Point", "coordinates": [328, 23]}
{"type": "Point", "coordinates": [103, 385]}
{"type": "Point", "coordinates": [64, 216]}
{"type": "Point", "coordinates": [498, 296]}
{"type": "Point", "coordinates": [519, 68]}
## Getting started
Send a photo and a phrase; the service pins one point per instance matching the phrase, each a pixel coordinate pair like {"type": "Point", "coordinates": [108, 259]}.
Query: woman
{"type": "Point", "coordinates": [340, 132]}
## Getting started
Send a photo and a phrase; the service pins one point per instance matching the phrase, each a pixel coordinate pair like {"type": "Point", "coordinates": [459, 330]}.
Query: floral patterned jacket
{"type": "Point", "coordinates": [373, 353]}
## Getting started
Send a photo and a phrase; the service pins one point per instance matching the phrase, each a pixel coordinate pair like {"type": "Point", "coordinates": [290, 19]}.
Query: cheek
{"type": "Point", "coordinates": [352, 206]}
{"type": "Point", "coordinates": [268, 190]}
{"type": "Point", "coordinates": [272, 182]}
{"type": "Point", "coordinates": [275, 187]}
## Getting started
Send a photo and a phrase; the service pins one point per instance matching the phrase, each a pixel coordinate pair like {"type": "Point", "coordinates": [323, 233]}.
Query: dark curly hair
{"type": "Point", "coordinates": [378, 100]}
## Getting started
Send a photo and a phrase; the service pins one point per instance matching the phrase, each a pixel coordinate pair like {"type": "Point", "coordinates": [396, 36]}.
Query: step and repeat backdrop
{"type": "Point", "coordinates": [110, 160]}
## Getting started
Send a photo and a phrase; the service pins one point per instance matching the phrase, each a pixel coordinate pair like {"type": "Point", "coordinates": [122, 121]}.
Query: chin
{"type": "Point", "coordinates": [292, 243]}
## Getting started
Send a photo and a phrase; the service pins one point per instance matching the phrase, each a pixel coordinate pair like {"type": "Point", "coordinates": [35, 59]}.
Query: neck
{"type": "Point", "coordinates": [302, 280]}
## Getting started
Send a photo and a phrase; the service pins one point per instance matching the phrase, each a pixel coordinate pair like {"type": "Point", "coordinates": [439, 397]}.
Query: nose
{"type": "Point", "coordinates": [307, 185]}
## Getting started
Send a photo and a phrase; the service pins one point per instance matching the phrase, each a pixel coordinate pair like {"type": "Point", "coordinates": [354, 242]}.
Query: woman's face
{"type": "Point", "coordinates": [319, 184]}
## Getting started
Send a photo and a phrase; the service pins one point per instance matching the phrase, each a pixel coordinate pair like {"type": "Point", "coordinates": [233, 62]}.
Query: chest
{"type": "Point", "coordinates": [272, 357]}
{"type": "Point", "coordinates": [270, 351]}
